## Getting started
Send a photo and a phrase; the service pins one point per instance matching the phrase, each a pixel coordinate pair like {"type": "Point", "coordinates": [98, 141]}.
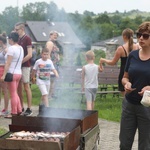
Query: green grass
{"type": "Point", "coordinates": [2, 131]}
{"type": "Point", "coordinates": [64, 99]}
{"type": "Point", "coordinates": [36, 94]}
{"type": "Point", "coordinates": [109, 108]}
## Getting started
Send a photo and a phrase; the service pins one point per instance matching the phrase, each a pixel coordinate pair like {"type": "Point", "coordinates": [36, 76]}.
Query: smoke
{"type": "Point", "coordinates": [68, 85]}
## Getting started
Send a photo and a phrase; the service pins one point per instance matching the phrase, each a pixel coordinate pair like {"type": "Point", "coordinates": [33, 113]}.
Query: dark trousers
{"type": "Point", "coordinates": [134, 117]}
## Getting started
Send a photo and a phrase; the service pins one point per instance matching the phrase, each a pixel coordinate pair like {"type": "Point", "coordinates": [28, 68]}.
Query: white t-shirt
{"type": "Point", "coordinates": [18, 54]}
{"type": "Point", "coordinates": [43, 69]}
{"type": "Point", "coordinates": [91, 76]}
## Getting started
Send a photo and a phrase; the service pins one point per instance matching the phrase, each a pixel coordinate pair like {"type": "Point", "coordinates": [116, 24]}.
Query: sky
{"type": "Point", "coordinates": [96, 6]}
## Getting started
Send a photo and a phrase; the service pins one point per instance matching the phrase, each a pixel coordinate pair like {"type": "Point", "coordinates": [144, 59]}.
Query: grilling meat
{"type": "Point", "coordinates": [42, 136]}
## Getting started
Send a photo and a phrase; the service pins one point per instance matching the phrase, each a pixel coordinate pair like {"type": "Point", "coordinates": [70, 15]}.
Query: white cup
{"type": "Point", "coordinates": [146, 99]}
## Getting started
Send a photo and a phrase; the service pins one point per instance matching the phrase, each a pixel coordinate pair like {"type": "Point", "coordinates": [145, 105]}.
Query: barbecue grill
{"type": "Point", "coordinates": [88, 121]}
{"type": "Point", "coordinates": [80, 127]}
{"type": "Point", "coordinates": [37, 124]}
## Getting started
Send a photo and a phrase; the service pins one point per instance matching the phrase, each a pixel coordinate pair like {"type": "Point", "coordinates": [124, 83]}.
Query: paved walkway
{"type": "Point", "coordinates": [109, 132]}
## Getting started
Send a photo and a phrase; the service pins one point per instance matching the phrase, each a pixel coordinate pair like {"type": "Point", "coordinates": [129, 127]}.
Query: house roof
{"type": "Point", "coordinates": [39, 32]}
{"type": "Point", "coordinates": [115, 40]}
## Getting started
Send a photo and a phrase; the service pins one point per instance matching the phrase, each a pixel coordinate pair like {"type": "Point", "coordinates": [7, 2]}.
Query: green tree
{"type": "Point", "coordinates": [138, 19]}
{"type": "Point", "coordinates": [98, 54]}
{"type": "Point", "coordinates": [107, 30]}
{"type": "Point", "coordinates": [52, 12]}
{"type": "Point", "coordinates": [116, 19]}
{"type": "Point", "coordinates": [88, 26]}
{"type": "Point", "coordinates": [147, 19]}
{"type": "Point", "coordinates": [35, 11]}
{"type": "Point", "coordinates": [7, 21]}
{"type": "Point", "coordinates": [78, 60]}
{"type": "Point", "coordinates": [128, 23]}
{"type": "Point", "coordinates": [74, 19]}
{"type": "Point", "coordinates": [87, 31]}
{"type": "Point", "coordinates": [88, 13]}
{"type": "Point", "coordinates": [104, 18]}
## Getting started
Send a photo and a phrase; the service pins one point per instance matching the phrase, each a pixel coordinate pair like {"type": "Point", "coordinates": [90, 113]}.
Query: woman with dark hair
{"type": "Point", "coordinates": [3, 85]}
{"type": "Point", "coordinates": [122, 53]}
{"type": "Point", "coordinates": [13, 64]}
{"type": "Point", "coordinates": [136, 80]}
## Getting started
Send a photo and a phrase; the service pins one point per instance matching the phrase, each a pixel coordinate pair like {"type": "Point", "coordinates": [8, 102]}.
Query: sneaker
{"type": "Point", "coordinates": [28, 112]}
{"type": "Point", "coordinates": [4, 113]}
{"type": "Point", "coordinates": [3, 110]}
{"type": "Point", "coordinates": [22, 113]}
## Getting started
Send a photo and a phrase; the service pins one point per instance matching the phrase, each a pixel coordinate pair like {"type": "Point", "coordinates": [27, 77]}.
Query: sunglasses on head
{"type": "Point", "coordinates": [145, 36]}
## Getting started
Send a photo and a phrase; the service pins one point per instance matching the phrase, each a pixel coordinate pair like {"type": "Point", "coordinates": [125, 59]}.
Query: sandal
{"type": "Point", "coordinates": [9, 116]}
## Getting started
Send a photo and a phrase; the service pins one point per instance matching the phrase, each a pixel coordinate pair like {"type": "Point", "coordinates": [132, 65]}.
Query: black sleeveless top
{"type": "Point", "coordinates": [122, 67]}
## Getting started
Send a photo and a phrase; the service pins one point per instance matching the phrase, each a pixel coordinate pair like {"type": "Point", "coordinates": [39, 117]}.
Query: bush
{"type": "Point", "coordinates": [98, 55]}
{"type": "Point", "coordinates": [78, 60]}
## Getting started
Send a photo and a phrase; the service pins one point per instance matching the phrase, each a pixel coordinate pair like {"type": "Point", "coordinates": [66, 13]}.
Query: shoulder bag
{"type": "Point", "coordinates": [9, 76]}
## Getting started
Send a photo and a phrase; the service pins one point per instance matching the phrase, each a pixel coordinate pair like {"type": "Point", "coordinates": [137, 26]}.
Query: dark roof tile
{"type": "Point", "coordinates": [40, 32]}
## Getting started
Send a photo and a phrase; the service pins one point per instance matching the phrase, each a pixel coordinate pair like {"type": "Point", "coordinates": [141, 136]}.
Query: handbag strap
{"type": "Point", "coordinates": [17, 61]}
